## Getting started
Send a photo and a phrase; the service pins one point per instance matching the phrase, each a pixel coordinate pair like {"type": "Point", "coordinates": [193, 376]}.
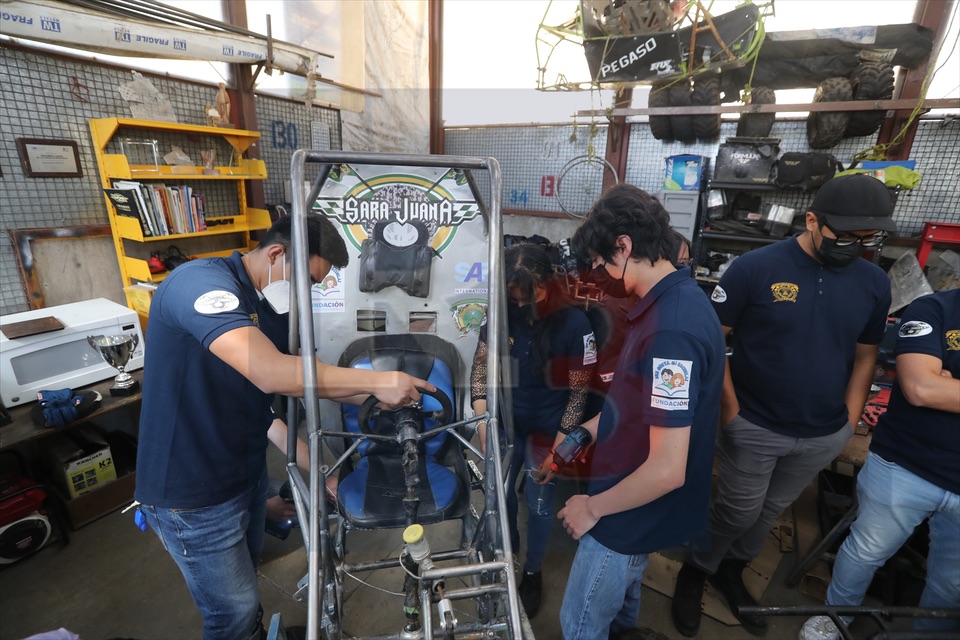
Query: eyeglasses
{"type": "Point", "coordinates": [212, 222]}
{"type": "Point", "coordinates": [847, 239]}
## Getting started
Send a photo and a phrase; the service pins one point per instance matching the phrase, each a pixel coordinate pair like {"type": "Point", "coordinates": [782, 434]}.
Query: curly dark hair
{"type": "Point", "coordinates": [625, 210]}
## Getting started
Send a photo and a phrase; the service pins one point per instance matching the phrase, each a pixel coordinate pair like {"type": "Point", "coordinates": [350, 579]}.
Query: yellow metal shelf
{"type": "Point", "coordinates": [113, 166]}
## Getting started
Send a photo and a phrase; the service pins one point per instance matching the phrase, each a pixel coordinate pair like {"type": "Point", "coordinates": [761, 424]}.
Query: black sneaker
{"type": "Point", "coordinates": [728, 580]}
{"type": "Point", "coordinates": [529, 592]}
{"type": "Point", "coordinates": [687, 595]}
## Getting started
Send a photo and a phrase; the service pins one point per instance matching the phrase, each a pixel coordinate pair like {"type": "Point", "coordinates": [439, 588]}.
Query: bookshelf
{"type": "Point", "coordinates": [225, 224]}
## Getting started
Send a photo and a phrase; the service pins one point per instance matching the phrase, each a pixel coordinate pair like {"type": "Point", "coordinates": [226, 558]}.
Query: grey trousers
{"type": "Point", "coordinates": [761, 473]}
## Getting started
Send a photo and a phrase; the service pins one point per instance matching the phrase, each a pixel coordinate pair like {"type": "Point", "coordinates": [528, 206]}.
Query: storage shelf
{"type": "Point", "coordinates": [117, 168]}
{"type": "Point", "coordinates": [138, 270]}
{"type": "Point", "coordinates": [104, 128]}
{"type": "Point", "coordinates": [720, 235]}
{"type": "Point", "coordinates": [126, 229]}
{"type": "Point", "coordinates": [745, 186]}
{"type": "Point", "coordinates": [256, 219]}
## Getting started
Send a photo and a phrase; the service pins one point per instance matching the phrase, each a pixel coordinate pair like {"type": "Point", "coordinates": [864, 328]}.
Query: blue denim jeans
{"type": "Point", "coordinates": [603, 592]}
{"type": "Point", "coordinates": [892, 502]}
{"type": "Point", "coordinates": [217, 549]}
{"type": "Point", "coordinates": [539, 500]}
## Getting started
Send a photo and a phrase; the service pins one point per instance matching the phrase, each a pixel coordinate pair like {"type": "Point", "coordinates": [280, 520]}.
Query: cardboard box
{"type": "Point", "coordinates": [683, 173]}
{"type": "Point", "coordinates": [80, 460]}
{"type": "Point", "coordinates": [92, 505]}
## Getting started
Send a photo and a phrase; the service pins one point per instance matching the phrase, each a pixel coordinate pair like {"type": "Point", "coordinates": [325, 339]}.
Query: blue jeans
{"type": "Point", "coordinates": [603, 592]}
{"type": "Point", "coordinates": [539, 499]}
{"type": "Point", "coordinates": [891, 503]}
{"type": "Point", "coordinates": [217, 549]}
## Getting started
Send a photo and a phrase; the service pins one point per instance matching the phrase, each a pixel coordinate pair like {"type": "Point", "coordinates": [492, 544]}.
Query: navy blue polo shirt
{"type": "Point", "coordinates": [796, 325]}
{"type": "Point", "coordinates": [670, 374]}
{"type": "Point", "coordinates": [540, 395]}
{"type": "Point", "coordinates": [922, 440]}
{"type": "Point", "coordinates": [203, 426]}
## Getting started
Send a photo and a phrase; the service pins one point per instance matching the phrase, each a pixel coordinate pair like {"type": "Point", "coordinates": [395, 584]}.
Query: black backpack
{"type": "Point", "coordinates": [806, 170]}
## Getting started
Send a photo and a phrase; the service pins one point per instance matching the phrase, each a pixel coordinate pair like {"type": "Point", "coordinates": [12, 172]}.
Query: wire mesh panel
{"type": "Point", "coordinates": [532, 158]}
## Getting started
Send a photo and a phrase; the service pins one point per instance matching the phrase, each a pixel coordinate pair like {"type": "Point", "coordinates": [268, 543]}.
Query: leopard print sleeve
{"type": "Point", "coordinates": [478, 373]}
{"type": "Point", "coordinates": [577, 403]}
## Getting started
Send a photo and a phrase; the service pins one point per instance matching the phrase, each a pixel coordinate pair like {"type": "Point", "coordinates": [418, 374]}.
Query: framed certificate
{"type": "Point", "coordinates": [48, 158]}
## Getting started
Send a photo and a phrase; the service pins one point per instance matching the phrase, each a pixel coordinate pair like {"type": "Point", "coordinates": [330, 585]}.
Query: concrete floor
{"type": "Point", "coordinates": [114, 581]}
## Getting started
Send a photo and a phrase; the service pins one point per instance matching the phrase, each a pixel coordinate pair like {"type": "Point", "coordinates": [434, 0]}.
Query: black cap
{"type": "Point", "coordinates": [855, 202]}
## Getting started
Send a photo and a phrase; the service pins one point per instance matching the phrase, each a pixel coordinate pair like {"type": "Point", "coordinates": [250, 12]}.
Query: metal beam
{"type": "Point", "coordinates": [435, 27]}
{"type": "Point", "coordinates": [849, 105]}
{"type": "Point", "coordinates": [618, 138]}
{"type": "Point", "coordinates": [935, 15]}
{"type": "Point", "coordinates": [242, 94]}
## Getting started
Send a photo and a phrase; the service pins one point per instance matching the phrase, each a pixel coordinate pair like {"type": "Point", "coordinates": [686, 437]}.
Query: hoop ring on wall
{"type": "Point", "coordinates": [573, 163]}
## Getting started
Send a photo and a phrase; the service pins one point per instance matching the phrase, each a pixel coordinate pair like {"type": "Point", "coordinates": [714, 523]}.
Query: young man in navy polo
{"type": "Point", "coordinates": [218, 341]}
{"type": "Point", "coordinates": [650, 478]}
{"type": "Point", "coordinates": [806, 316]}
{"type": "Point", "coordinates": [912, 471]}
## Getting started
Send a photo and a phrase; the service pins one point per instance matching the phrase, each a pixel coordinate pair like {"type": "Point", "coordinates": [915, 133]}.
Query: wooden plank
{"type": "Point", "coordinates": [850, 105]}
{"type": "Point", "coordinates": [14, 330]}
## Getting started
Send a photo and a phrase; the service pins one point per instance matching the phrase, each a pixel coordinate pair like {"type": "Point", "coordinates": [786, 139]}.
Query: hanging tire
{"type": "Point", "coordinates": [682, 125]}
{"type": "Point", "coordinates": [869, 81]}
{"type": "Point", "coordinates": [660, 125]}
{"type": "Point", "coordinates": [826, 128]}
{"type": "Point", "coordinates": [758, 125]}
{"type": "Point", "coordinates": [706, 92]}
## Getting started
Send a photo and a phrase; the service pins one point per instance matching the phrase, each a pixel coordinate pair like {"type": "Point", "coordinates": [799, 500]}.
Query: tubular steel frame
{"type": "Point", "coordinates": [312, 513]}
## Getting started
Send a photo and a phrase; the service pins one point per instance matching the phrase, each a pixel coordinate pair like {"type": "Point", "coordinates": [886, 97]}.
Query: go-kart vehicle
{"type": "Point", "coordinates": [425, 255]}
{"type": "Point", "coordinates": [691, 57]}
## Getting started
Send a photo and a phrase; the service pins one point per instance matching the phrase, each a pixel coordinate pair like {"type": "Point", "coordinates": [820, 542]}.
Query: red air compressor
{"type": "Point", "coordinates": [24, 526]}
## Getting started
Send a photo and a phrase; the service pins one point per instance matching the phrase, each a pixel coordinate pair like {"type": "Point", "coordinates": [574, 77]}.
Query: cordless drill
{"type": "Point", "coordinates": [570, 448]}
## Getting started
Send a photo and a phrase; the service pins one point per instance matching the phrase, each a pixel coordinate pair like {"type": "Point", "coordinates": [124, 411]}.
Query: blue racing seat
{"type": "Point", "coordinates": [372, 488]}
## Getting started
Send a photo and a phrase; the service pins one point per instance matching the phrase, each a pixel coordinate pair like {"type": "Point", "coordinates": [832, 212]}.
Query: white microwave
{"type": "Point", "coordinates": [63, 358]}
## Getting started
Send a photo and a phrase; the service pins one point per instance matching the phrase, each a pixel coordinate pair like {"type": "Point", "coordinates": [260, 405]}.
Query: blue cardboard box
{"type": "Point", "coordinates": [683, 173]}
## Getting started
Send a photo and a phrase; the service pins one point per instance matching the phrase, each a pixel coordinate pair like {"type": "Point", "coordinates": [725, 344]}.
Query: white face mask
{"type": "Point", "coordinates": [277, 293]}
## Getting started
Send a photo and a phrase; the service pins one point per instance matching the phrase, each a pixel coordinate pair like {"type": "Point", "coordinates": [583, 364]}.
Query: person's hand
{"type": "Point", "coordinates": [728, 413]}
{"type": "Point", "coordinates": [400, 389]}
{"type": "Point", "coordinates": [545, 473]}
{"type": "Point", "coordinates": [577, 517]}
{"type": "Point", "coordinates": [279, 509]}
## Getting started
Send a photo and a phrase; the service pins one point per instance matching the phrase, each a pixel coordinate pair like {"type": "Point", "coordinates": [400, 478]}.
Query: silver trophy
{"type": "Point", "coordinates": [116, 351]}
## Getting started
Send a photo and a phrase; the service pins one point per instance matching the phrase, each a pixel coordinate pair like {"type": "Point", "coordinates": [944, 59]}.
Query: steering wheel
{"type": "Point", "coordinates": [369, 411]}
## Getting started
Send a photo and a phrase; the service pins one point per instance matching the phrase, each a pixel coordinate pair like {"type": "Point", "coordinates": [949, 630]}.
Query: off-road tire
{"type": "Point", "coordinates": [826, 128]}
{"type": "Point", "coordinates": [869, 81]}
{"type": "Point", "coordinates": [660, 125]}
{"type": "Point", "coordinates": [706, 92]}
{"type": "Point", "coordinates": [758, 125]}
{"type": "Point", "coordinates": [682, 125]}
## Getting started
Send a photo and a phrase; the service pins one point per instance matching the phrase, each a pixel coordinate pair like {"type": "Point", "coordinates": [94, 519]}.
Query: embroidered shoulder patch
{"type": "Point", "coordinates": [784, 291]}
{"type": "Point", "coordinates": [914, 329]}
{"type": "Point", "coordinates": [718, 295]}
{"type": "Point", "coordinates": [589, 349]}
{"type": "Point", "coordinates": [216, 302]}
{"type": "Point", "coordinates": [953, 340]}
{"type": "Point", "coordinates": [671, 384]}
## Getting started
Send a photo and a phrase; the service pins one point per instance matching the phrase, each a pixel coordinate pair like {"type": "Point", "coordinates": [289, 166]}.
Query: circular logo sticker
{"type": "Point", "coordinates": [914, 329]}
{"type": "Point", "coordinates": [216, 302]}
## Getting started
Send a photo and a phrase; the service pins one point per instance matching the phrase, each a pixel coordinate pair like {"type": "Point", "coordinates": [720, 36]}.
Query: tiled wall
{"type": "Point", "coordinates": [46, 96]}
{"type": "Point", "coordinates": [529, 154]}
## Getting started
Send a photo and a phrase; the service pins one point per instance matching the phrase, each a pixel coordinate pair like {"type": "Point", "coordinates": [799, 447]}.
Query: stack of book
{"type": "Point", "coordinates": [161, 210]}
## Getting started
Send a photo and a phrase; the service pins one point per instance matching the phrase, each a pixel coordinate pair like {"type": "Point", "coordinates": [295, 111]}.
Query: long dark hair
{"type": "Point", "coordinates": [528, 268]}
